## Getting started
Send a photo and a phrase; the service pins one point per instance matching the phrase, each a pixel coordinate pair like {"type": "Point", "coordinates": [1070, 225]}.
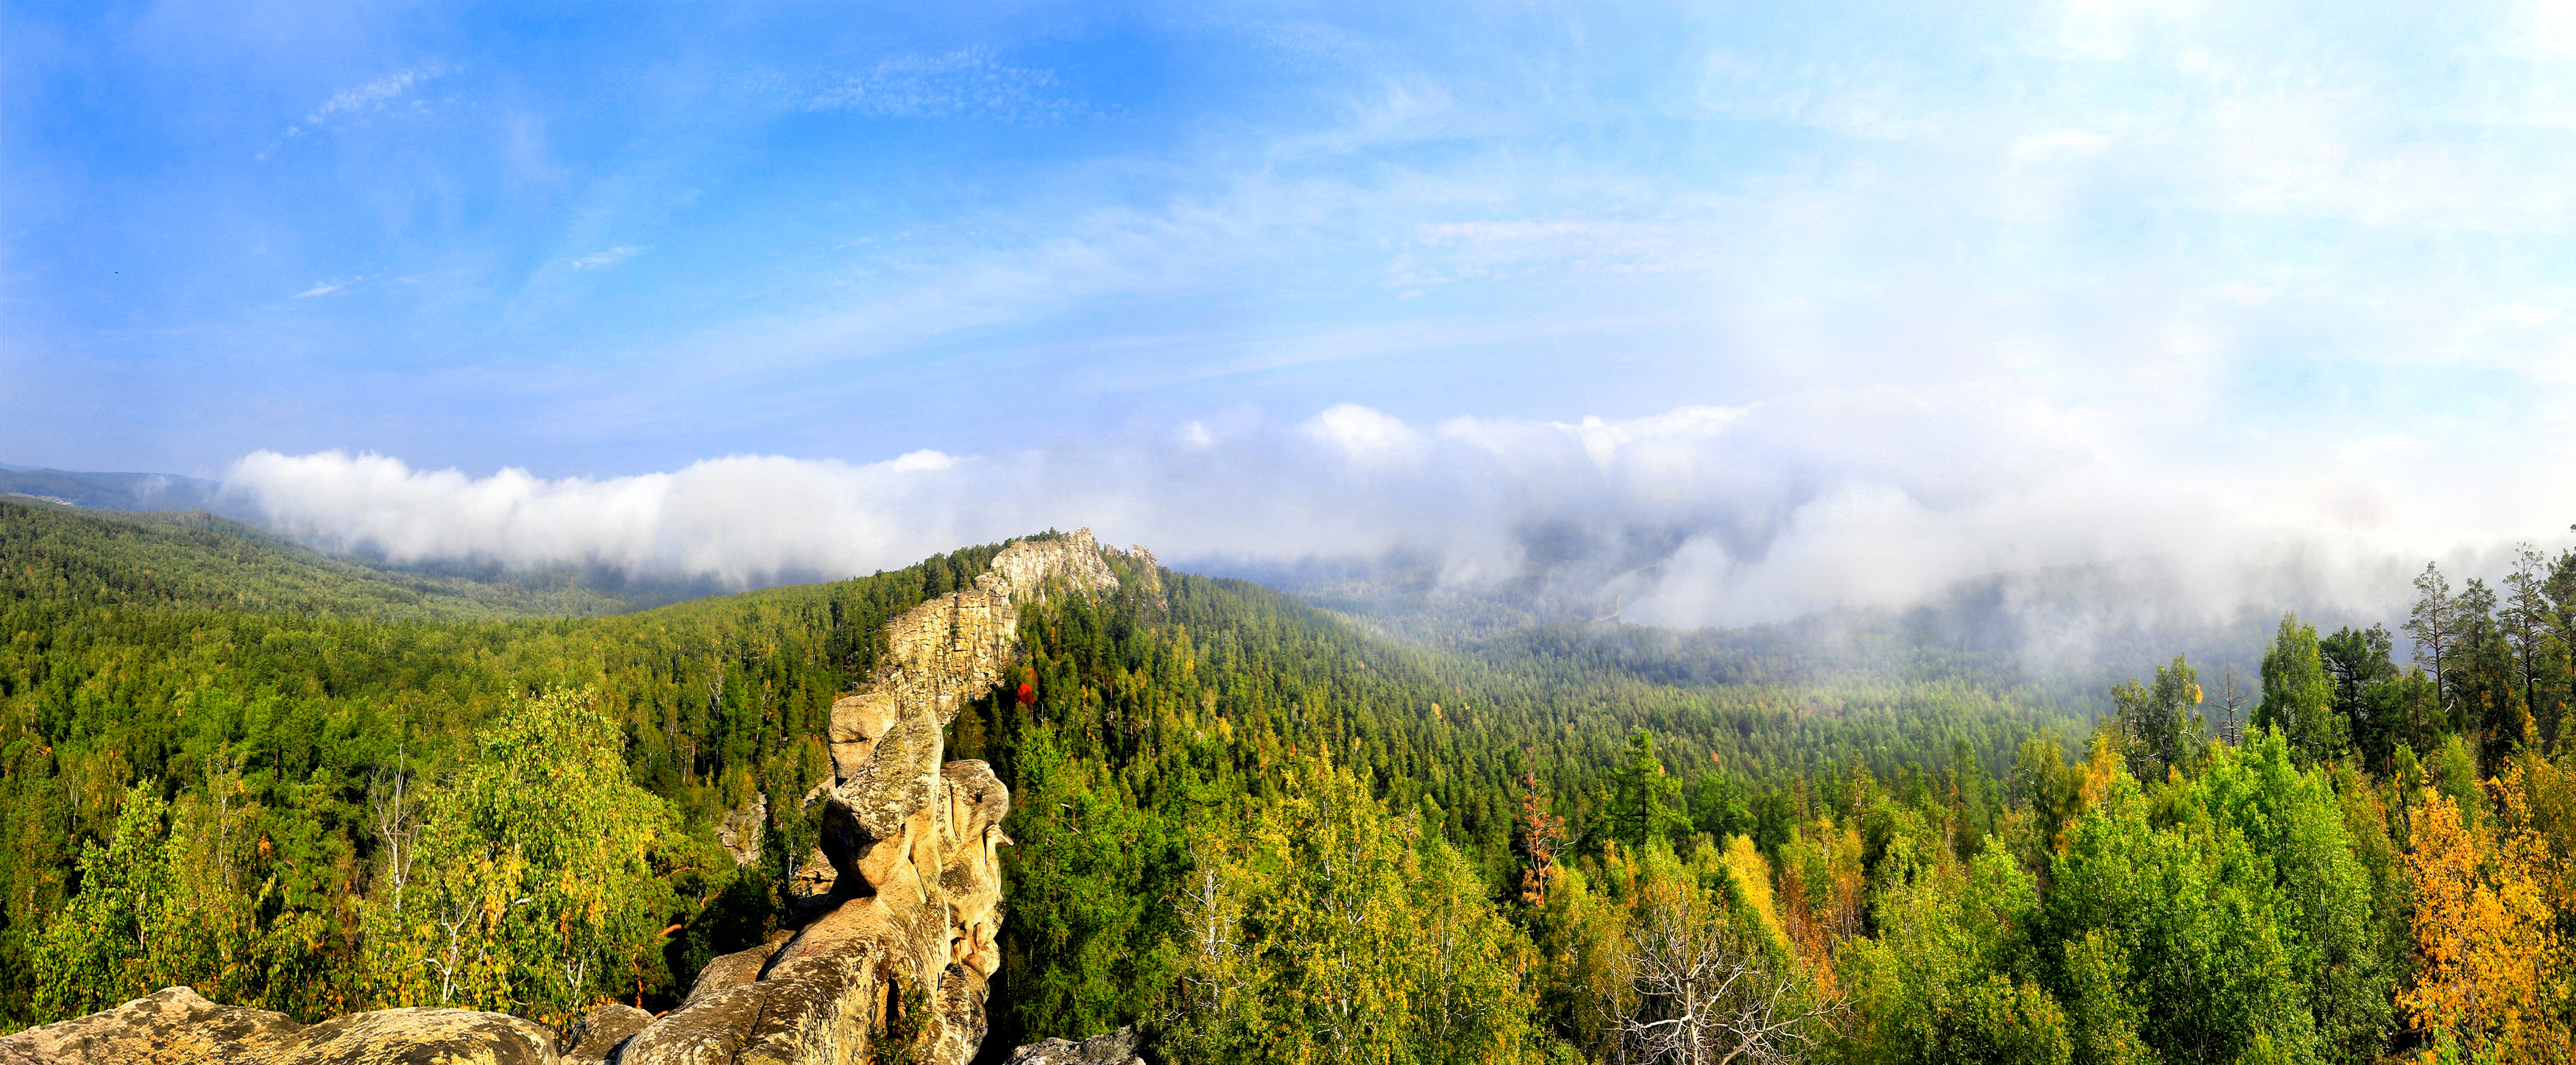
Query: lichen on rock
{"type": "Point", "coordinates": [419, 1036]}
{"type": "Point", "coordinates": [603, 1030]}
{"type": "Point", "coordinates": [176, 1026]}
{"type": "Point", "coordinates": [172, 1026]}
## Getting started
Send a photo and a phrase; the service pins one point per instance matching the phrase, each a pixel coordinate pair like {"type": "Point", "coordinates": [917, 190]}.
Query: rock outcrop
{"type": "Point", "coordinates": [895, 918]}
{"type": "Point", "coordinates": [603, 1031]}
{"type": "Point", "coordinates": [172, 1026]}
{"type": "Point", "coordinates": [419, 1036]}
{"type": "Point", "coordinates": [904, 889]}
{"type": "Point", "coordinates": [175, 1026]}
{"type": "Point", "coordinates": [1115, 1048]}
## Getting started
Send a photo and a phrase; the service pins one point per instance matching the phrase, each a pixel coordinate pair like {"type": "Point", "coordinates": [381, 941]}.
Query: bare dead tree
{"type": "Point", "coordinates": [1707, 997]}
{"type": "Point", "coordinates": [389, 795]}
{"type": "Point", "coordinates": [1212, 929]}
{"type": "Point", "coordinates": [451, 955]}
{"type": "Point", "coordinates": [223, 777]}
{"type": "Point", "coordinates": [2232, 699]}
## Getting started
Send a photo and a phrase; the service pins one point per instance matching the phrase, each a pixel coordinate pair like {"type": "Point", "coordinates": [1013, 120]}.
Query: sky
{"type": "Point", "coordinates": [1816, 304]}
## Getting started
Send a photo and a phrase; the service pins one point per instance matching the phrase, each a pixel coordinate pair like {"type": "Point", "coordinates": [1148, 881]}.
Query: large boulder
{"type": "Point", "coordinates": [172, 1026]}
{"type": "Point", "coordinates": [1115, 1048]}
{"type": "Point", "coordinates": [604, 1029]}
{"type": "Point", "coordinates": [175, 1026]}
{"type": "Point", "coordinates": [419, 1036]}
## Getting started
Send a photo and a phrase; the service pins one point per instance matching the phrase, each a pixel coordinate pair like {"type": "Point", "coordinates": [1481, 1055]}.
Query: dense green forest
{"type": "Point", "coordinates": [1260, 832]}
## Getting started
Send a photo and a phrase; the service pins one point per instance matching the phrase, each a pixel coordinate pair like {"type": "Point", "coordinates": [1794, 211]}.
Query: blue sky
{"type": "Point", "coordinates": [2005, 279]}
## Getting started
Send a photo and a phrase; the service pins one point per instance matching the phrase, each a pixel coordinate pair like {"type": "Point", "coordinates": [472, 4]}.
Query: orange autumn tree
{"type": "Point", "coordinates": [1542, 835]}
{"type": "Point", "coordinates": [2491, 981]}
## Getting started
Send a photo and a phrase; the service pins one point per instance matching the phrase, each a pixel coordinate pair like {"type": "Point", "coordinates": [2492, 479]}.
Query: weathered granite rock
{"type": "Point", "coordinates": [172, 1026]}
{"type": "Point", "coordinates": [602, 1030]}
{"type": "Point", "coordinates": [729, 971]}
{"type": "Point", "coordinates": [902, 897]}
{"type": "Point", "coordinates": [419, 1036]}
{"type": "Point", "coordinates": [175, 1026]}
{"type": "Point", "coordinates": [710, 1030]}
{"type": "Point", "coordinates": [960, 1006]}
{"type": "Point", "coordinates": [1115, 1048]}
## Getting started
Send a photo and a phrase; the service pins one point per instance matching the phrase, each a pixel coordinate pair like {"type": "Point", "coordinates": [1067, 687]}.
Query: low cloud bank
{"type": "Point", "coordinates": [1698, 516]}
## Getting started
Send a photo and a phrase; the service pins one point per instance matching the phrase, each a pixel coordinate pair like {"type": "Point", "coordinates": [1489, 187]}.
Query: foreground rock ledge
{"type": "Point", "coordinates": [900, 903]}
{"type": "Point", "coordinates": [176, 1026]}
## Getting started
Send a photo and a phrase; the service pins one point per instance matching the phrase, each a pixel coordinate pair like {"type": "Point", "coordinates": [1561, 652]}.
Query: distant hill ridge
{"type": "Point", "coordinates": [197, 560]}
{"type": "Point", "coordinates": [117, 491]}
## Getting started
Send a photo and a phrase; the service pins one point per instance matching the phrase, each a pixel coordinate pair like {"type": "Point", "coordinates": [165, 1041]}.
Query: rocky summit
{"type": "Point", "coordinates": [897, 908]}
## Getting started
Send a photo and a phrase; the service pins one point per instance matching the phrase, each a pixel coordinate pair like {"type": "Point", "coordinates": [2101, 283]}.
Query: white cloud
{"type": "Point", "coordinates": [2120, 282]}
{"type": "Point", "coordinates": [325, 288]}
{"type": "Point", "coordinates": [1823, 499]}
{"type": "Point", "coordinates": [369, 98]}
{"type": "Point", "coordinates": [610, 257]}
{"type": "Point", "coordinates": [1364, 435]}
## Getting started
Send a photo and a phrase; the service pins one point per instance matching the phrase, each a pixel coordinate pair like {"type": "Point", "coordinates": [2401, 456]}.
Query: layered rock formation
{"type": "Point", "coordinates": [895, 920]}
{"type": "Point", "coordinates": [906, 883]}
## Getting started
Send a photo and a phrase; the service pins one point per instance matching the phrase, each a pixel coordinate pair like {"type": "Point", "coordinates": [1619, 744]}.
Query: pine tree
{"type": "Point", "coordinates": [2434, 625]}
{"type": "Point", "coordinates": [2527, 617]}
{"type": "Point", "coordinates": [1642, 794]}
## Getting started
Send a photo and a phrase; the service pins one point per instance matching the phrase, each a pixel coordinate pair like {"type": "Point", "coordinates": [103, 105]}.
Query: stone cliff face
{"type": "Point", "coordinates": [906, 883]}
{"type": "Point", "coordinates": [897, 908]}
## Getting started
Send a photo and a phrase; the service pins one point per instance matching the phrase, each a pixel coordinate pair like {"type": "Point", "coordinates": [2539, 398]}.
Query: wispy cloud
{"type": "Point", "coordinates": [2119, 278]}
{"type": "Point", "coordinates": [359, 101]}
{"type": "Point", "coordinates": [610, 257]}
{"type": "Point", "coordinates": [968, 83]}
{"type": "Point", "coordinates": [1496, 249]}
{"type": "Point", "coordinates": [375, 94]}
{"type": "Point", "coordinates": [325, 288]}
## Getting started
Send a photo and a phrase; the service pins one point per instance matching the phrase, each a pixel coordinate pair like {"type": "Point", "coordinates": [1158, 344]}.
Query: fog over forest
{"type": "Point", "coordinates": [1699, 517]}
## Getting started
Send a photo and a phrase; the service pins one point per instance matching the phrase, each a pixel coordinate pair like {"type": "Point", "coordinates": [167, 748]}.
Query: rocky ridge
{"type": "Point", "coordinates": [899, 905]}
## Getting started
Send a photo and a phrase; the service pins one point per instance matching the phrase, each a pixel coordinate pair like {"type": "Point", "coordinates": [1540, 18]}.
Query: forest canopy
{"type": "Point", "coordinates": [1260, 832]}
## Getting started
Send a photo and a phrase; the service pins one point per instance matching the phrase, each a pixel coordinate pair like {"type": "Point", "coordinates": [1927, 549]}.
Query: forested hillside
{"type": "Point", "coordinates": [299, 750]}
{"type": "Point", "coordinates": [1260, 832]}
{"type": "Point", "coordinates": [197, 560]}
{"type": "Point", "coordinates": [2349, 860]}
